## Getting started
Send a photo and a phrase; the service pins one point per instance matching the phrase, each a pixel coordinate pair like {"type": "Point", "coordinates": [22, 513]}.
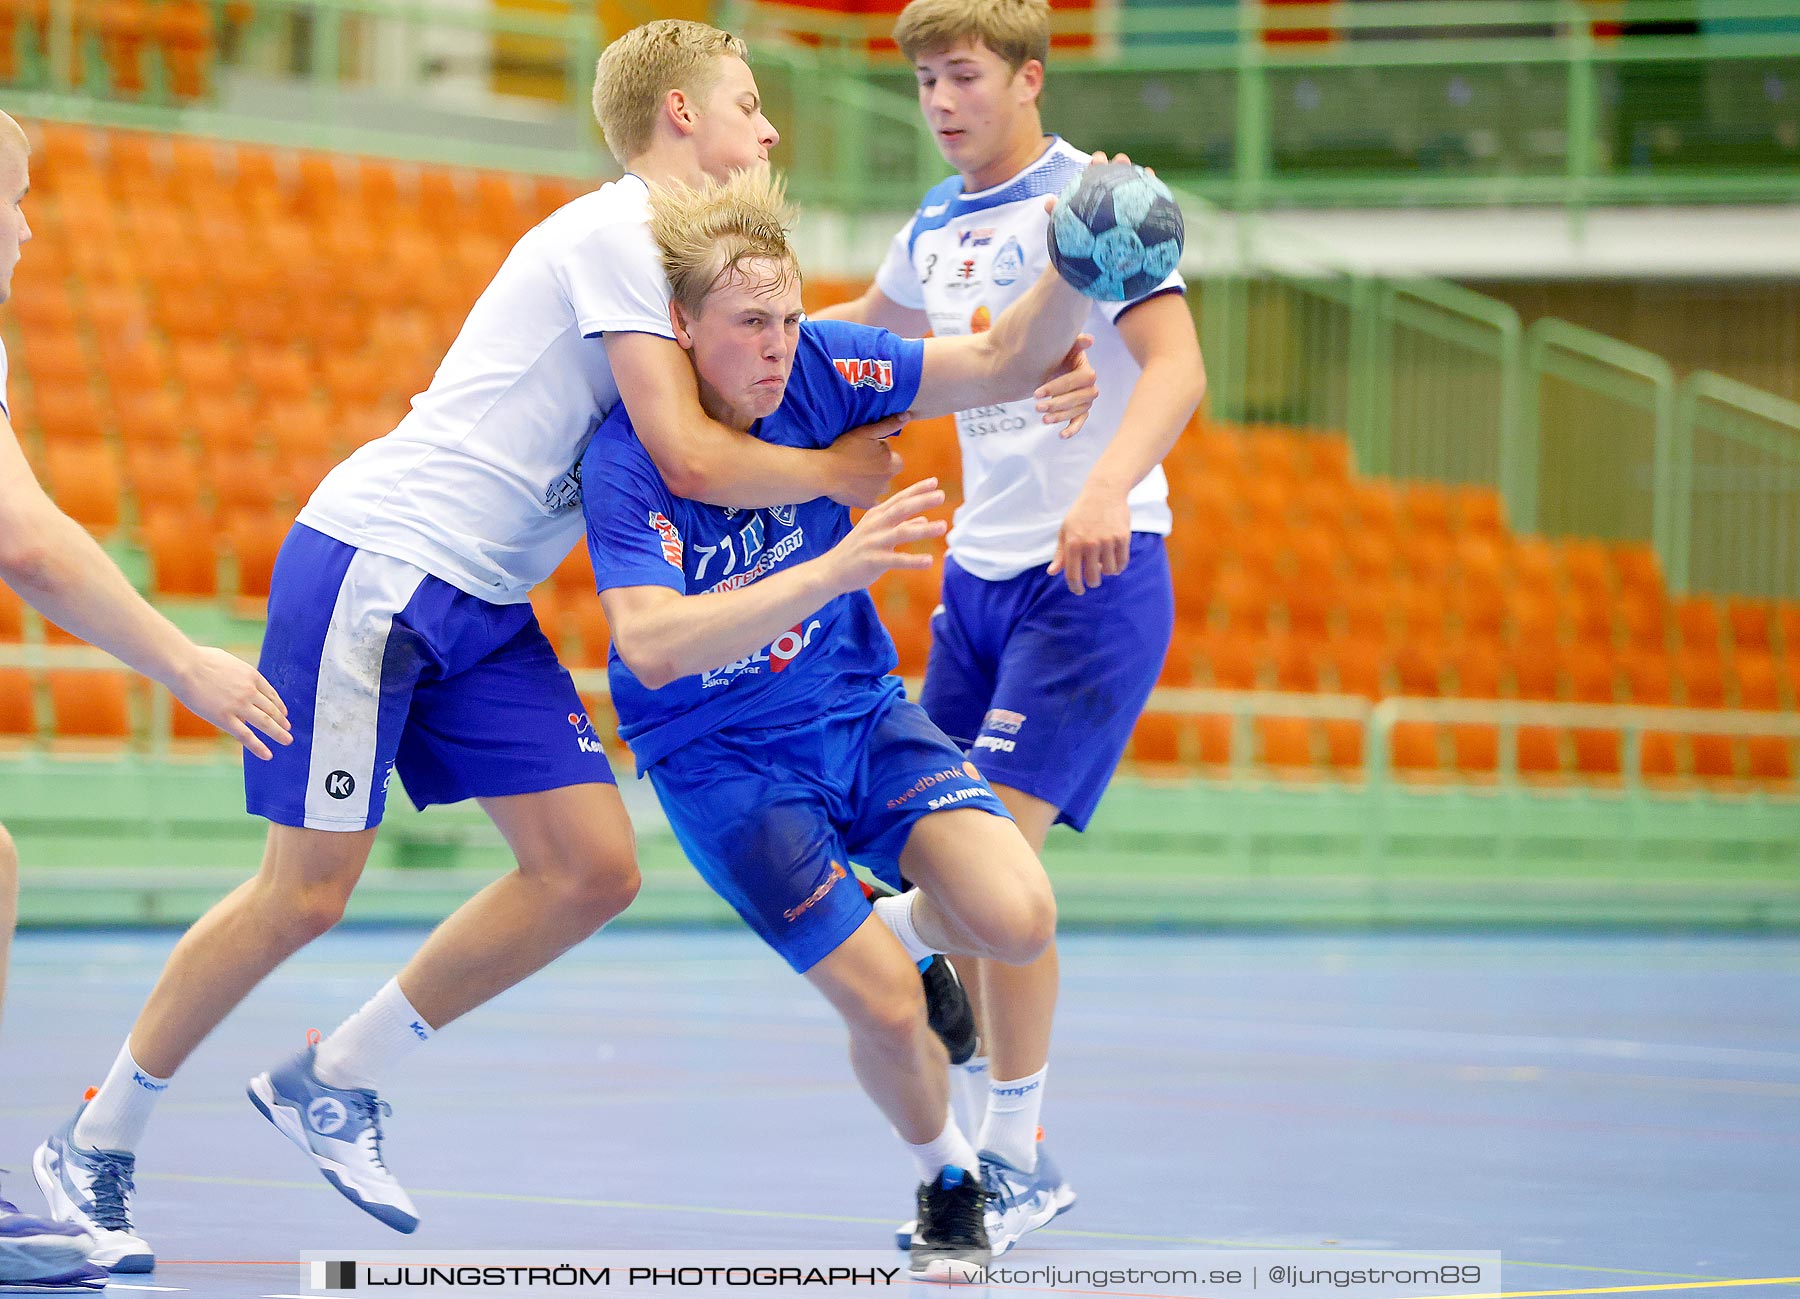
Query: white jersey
{"type": "Point", "coordinates": [963, 259]}
{"type": "Point", "coordinates": [479, 484]}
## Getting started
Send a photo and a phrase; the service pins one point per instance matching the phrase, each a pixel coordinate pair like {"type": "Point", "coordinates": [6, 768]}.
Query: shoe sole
{"type": "Point", "coordinates": [262, 1095]}
{"type": "Point", "coordinates": [950, 1271]}
{"type": "Point", "coordinates": [1064, 1201]}
{"type": "Point", "coordinates": [52, 1287]}
{"type": "Point", "coordinates": [62, 1209]}
{"type": "Point", "coordinates": [42, 1254]}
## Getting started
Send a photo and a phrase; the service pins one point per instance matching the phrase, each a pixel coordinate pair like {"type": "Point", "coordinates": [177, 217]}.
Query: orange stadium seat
{"type": "Point", "coordinates": [1751, 624]}
{"type": "Point", "coordinates": [1787, 618]}
{"type": "Point", "coordinates": [151, 417]}
{"type": "Point", "coordinates": [1758, 686]}
{"type": "Point", "coordinates": [1416, 749]}
{"type": "Point", "coordinates": [18, 704]}
{"type": "Point", "coordinates": [1231, 660]}
{"type": "Point", "coordinates": [1156, 740]}
{"type": "Point", "coordinates": [255, 538]}
{"type": "Point", "coordinates": [184, 554]}
{"type": "Point", "coordinates": [588, 620]}
{"type": "Point", "coordinates": [12, 614]}
{"type": "Point", "coordinates": [70, 413]}
{"type": "Point", "coordinates": [89, 705]}
{"type": "Point", "coordinates": [163, 478]}
{"type": "Point", "coordinates": [1284, 744]}
{"type": "Point", "coordinates": [84, 480]}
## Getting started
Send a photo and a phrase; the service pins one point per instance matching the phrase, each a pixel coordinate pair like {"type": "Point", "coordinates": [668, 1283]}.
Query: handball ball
{"type": "Point", "coordinates": [1116, 232]}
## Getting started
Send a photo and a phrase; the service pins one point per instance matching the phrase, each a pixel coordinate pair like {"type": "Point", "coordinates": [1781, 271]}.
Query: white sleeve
{"type": "Point", "coordinates": [1174, 284]}
{"type": "Point", "coordinates": [898, 278]}
{"type": "Point", "coordinates": [615, 282]}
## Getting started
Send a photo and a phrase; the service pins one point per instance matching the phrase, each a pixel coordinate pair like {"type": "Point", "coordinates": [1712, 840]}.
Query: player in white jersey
{"type": "Point", "coordinates": [399, 626]}
{"type": "Point", "coordinates": [1057, 604]}
{"type": "Point", "coordinates": [46, 557]}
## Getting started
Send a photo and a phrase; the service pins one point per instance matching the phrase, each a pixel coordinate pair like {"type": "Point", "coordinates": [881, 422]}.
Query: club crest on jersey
{"type": "Point", "coordinates": [671, 537]}
{"type": "Point", "coordinates": [1009, 262]}
{"type": "Point", "coordinates": [866, 372]}
{"type": "Point", "coordinates": [784, 514]}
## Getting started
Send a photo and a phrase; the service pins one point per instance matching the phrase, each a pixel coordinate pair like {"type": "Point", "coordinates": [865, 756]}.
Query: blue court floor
{"type": "Point", "coordinates": [1614, 1114]}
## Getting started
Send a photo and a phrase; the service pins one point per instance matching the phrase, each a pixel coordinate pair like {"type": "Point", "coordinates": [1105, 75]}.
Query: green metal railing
{"type": "Point", "coordinates": [1410, 101]}
{"type": "Point", "coordinates": [1733, 511]}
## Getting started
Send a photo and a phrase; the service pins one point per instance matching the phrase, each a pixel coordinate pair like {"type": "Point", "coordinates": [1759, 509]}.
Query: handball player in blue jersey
{"type": "Point", "coordinates": [752, 677]}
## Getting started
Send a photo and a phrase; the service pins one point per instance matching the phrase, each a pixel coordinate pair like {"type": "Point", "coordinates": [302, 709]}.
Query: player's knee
{"type": "Point", "coordinates": [892, 1014]}
{"type": "Point", "coordinates": [603, 890]}
{"type": "Point", "coordinates": [304, 910]}
{"type": "Point", "coordinates": [1030, 926]}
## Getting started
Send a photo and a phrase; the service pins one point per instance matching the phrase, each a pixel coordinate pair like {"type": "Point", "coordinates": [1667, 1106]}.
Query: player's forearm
{"type": "Point", "coordinates": [740, 471]}
{"type": "Point", "coordinates": [683, 637]}
{"type": "Point", "coordinates": [1033, 334]}
{"type": "Point", "coordinates": [63, 573]}
{"type": "Point", "coordinates": [1163, 401]}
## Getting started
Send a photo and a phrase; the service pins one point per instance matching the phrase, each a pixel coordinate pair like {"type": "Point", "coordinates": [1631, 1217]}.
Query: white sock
{"type": "Point", "coordinates": [949, 1149]}
{"type": "Point", "coordinates": [969, 1092]}
{"type": "Point", "coordinates": [371, 1041]}
{"type": "Point", "coordinates": [1010, 1128]}
{"type": "Point", "coordinates": [896, 914]}
{"type": "Point", "coordinates": [117, 1116]}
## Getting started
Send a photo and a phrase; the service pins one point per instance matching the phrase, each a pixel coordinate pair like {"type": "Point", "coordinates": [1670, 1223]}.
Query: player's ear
{"type": "Point", "coordinates": [682, 113]}
{"type": "Point", "coordinates": [678, 321]}
{"type": "Point", "coordinates": [1030, 79]}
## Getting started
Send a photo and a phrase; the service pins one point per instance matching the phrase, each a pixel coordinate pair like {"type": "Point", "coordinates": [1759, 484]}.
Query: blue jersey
{"type": "Point", "coordinates": [642, 534]}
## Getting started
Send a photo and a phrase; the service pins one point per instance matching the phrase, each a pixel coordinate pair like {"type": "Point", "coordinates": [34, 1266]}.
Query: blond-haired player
{"type": "Point", "coordinates": [753, 679]}
{"type": "Point", "coordinates": [1057, 605]}
{"type": "Point", "coordinates": [46, 557]}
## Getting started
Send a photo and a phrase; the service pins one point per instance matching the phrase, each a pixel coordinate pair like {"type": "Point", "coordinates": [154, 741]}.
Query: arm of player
{"type": "Point", "coordinates": [663, 635]}
{"type": "Point", "coordinates": [51, 560]}
{"type": "Point", "coordinates": [1010, 361]}
{"type": "Point", "coordinates": [1095, 540]}
{"type": "Point", "coordinates": [1065, 398]}
{"type": "Point", "coordinates": [875, 308]}
{"type": "Point", "coordinates": [704, 460]}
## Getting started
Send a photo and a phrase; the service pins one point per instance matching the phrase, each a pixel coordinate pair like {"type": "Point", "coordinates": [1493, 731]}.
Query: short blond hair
{"type": "Point", "coordinates": [1017, 30]}
{"type": "Point", "coordinates": [707, 234]}
{"type": "Point", "coordinates": [639, 69]}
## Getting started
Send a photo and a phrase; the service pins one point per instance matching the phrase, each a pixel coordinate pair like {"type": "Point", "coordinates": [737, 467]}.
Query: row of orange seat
{"type": "Point", "coordinates": [1297, 748]}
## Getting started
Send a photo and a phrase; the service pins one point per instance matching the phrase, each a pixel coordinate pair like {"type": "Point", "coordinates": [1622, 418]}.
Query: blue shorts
{"type": "Point", "coordinates": [385, 668]}
{"type": "Point", "coordinates": [771, 816]}
{"type": "Point", "coordinates": [1042, 686]}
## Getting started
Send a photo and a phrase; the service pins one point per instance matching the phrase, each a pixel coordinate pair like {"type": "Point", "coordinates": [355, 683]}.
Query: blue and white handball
{"type": "Point", "coordinates": [1116, 232]}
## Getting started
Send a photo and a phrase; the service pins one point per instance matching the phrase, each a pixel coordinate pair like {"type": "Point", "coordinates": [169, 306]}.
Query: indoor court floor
{"type": "Point", "coordinates": [1614, 1114]}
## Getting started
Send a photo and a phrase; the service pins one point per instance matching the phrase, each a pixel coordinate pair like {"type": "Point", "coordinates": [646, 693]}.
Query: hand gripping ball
{"type": "Point", "coordinates": [1116, 232]}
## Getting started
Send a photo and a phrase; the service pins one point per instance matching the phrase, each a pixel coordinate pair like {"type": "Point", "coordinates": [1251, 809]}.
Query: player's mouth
{"type": "Point", "coordinates": [950, 133]}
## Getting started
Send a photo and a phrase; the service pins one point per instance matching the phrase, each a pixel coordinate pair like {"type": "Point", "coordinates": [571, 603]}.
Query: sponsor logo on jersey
{"type": "Point", "coordinates": [952, 799]}
{"type": "Point", "coordinates": [837, 873]}
{"type": "Point", "coordinates": [949, 775]}
{"type": "Point", "coordinates": [671, 537]}
{"type": "Point", "coordinates": [565, 492]}
{"type": "Point", "coordinates": [997, 744]}
{"type": "Point", "coordinates": [340, 784]}
{"type": "Point", "coordinates": [866, 372]}
{"type": "Point", "coordinates": [1009, 262]}
{"type": "Point", "coordinates": [981, 421]}
{"type": "Point", "coordinates": [976, 238]}
{"type": "Point", "coordinates": [777, 655]}
{"type": "Point", "coordinates": [981, 320]}
{"type": "Point", "coordinates": [999, 719]}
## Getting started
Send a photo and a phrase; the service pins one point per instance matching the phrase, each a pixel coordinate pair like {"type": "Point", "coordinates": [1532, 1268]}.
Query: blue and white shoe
{"type": "Point", "coordinates": [92, 1190]}
{"type": "Point", "coordinates": [340, 1127]}
{"type": "Point", "coordinates": [1016, 1198]}
{"type": "Point", "coordinates": [38, 1251]}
